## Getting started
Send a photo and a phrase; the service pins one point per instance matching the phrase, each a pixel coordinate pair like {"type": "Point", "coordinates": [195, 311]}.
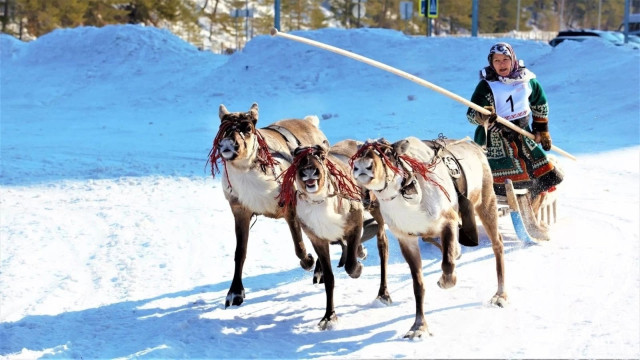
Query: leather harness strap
{"type": "Point", "coordinates": [453, 165]}
{"type": "Point", "coordinates": [292, 141]}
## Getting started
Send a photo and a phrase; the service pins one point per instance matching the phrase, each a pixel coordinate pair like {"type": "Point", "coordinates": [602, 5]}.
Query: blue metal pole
{"type": "Point", "coordinates": [276, 14]}
{"type": "Point", "coordinates": [474, 18]}
{"type": "Point", "coordinates": [626, 20]}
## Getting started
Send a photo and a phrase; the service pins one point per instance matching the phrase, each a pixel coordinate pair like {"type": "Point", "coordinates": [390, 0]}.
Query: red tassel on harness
{"type": "Point", "coordinates": [287, 196]}
{"type": "Point", "coordinates": [345, 186]}
{"type": "Point", "coordinates": [422, 169]}
{"type": "Point", "coordinates": [415, 164]}
{"type": "Point", "coordinates": [264, 156]}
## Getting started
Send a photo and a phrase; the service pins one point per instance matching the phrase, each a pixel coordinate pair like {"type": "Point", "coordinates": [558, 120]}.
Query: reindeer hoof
{"type": "Point", "coordinates": [307, 262]}
{"type": "Point", "coordinates": [328, 322]}
{"type": "Point", "coordinates": [499, 300]}
{"type": "Point", "coordinates": [385, 299]}
{"type": "Point", "coordinates": [447, 281]}
{"type": "Point", "coordinates": [234, 299]}
{"type": "Point", "coordinates": [355, 271]}
{"type": "Point", "coordinates": [413, 334]}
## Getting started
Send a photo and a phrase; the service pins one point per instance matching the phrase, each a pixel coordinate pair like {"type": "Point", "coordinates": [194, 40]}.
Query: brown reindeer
{"type": "Point", "coordinates": [253, 159]}
{"type": "Point", "coordinates": [426, 189]}
{"type": "Point", "coordinates": [328, 204]}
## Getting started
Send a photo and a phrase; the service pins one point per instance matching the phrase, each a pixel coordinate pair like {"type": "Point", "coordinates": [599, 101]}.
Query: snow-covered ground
{"type": "Point", "coordinates": [115, 242]}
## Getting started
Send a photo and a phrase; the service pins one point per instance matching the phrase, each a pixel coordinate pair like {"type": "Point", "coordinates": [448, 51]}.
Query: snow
{"type": "Point", "coordinates": [116, 242]}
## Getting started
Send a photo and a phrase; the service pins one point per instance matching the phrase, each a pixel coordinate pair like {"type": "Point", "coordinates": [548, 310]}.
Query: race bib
{"type": "Point", "coordinates": [511, 100]}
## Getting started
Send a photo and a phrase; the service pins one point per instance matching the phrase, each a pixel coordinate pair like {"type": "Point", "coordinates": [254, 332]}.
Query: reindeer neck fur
{"type": "Point", "coordinates": [253, 185]}
{"type": "Point", "coordinates": [326, 212]}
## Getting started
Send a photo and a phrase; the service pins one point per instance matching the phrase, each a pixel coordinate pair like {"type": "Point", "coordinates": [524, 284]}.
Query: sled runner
{"type": "Point", "coordinates": [531, 221]}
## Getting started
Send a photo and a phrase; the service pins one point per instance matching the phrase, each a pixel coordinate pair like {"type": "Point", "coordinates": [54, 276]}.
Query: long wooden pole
{"type": "Point", "coordinates": [379, 65]}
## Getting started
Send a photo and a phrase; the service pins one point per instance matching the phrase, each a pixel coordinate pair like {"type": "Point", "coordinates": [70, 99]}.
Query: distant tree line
{"type": "Point", "coordinates": [190, 18]}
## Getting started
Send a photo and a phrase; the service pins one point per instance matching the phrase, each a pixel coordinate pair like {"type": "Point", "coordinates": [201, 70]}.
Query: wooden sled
{"type": "Point", "coordinates": [530, 221]}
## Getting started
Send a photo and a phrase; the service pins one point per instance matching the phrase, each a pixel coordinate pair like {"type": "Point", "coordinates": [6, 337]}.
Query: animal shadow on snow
{"type": "Point", "coordinates": [143, 327]}
{"type": "Point", "coordinates": [194, 325]}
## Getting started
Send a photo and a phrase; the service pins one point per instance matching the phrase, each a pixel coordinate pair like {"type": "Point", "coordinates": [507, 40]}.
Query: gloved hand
{"type": "Point", "coordinates": [482, 118]}
{"type": "Point", "coordinates": [541, 135]}
{"type": "Point", "coordinates": [543, 138]}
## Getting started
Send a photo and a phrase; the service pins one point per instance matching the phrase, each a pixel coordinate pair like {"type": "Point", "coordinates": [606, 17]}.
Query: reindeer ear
{"type": "Point", "coordinates": [401, 147]}
{"type": "Point", "coordinates": [254, 112]}
{"type": "Point", "coordinates": [222, 111]}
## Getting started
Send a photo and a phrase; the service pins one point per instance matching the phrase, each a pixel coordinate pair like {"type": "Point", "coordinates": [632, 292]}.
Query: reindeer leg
{"type": "Point", "coordinates": [450, 251]}
{"type": "Point", "coordinates": [322, 250]}
{"type": "Point", "coordinates": [306, 260]}
{"type": "Point", "coordinates": [500, 298]}
{"type": "Point", "coordinates": [242, 217]}
{"type": "Point", "coordinates": [352, 266]}
{"type": "Point", "coordinates": [343, 257]}
{"type": "Point", "coordinates": [383, 252]}
{"type": "Point", "coordinates": [411, 253]}
{"type": "Point", "coordinates": [487, 211]}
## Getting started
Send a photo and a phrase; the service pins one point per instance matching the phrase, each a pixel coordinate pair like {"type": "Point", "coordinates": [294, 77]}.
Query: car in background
{"type": "Point", "coordinates": [633, 40]}
{"type": "Point", "coordinates": [582, 35]}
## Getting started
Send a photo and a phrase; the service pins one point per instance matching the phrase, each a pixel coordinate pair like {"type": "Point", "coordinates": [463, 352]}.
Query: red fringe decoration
{"type": "Point", "coordinates": [376, 147]}
{"type": "Point", "coordinates": [264, 155]}
{"type": "Point", "coordinates": [287, 196]}
{"type": "Point", "coordinates": [213, 153]}
{"type": "Point", "coordinates": [414, 164]}
{"type": "Point", "coordinates": [345, 186]}
{"type": "Point", "coordinates": [423, 170]}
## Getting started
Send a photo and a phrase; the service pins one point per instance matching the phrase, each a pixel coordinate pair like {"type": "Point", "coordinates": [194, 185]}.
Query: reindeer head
{"type": "Point", "coordinates": [377, 163]}
{"type": "Point", "coordinates": [238, 140]}
{"type": "Point", "coordinates": [373, 161]}
{"type": "Point", "coordinates": [315, 175]}
{"type": "Point", "coordinates": [236, 137]}
{"type": "Point", "coordinates": [311, 173]}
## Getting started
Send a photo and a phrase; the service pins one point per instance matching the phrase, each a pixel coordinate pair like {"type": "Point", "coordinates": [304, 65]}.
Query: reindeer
{"type": "Point", "coordinates": [253, 159]}
{"type": "Point", "coordinates": [327, 201]}
{"type": "Point", "coordinates": [426, 189]}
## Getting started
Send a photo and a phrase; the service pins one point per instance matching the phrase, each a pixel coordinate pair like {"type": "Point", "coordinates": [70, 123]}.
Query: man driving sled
{"type": "Point", "coordinates": [509, 90]}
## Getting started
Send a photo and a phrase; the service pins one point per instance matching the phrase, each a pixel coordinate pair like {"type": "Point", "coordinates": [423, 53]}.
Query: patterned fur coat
{"type": "Point", "coordinates": [511, 155]}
